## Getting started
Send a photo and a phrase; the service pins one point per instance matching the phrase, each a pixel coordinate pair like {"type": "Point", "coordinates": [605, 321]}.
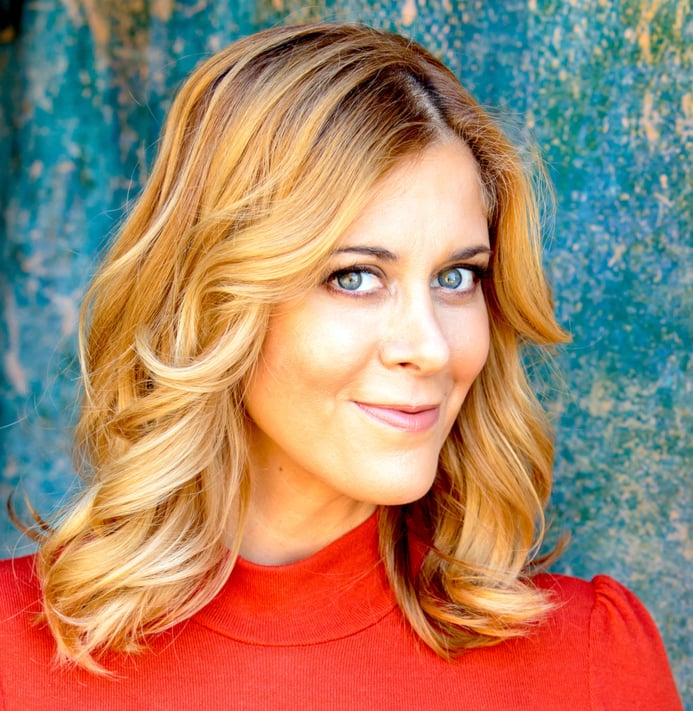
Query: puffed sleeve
{"type": "Point", "coordinates": [628, 663]}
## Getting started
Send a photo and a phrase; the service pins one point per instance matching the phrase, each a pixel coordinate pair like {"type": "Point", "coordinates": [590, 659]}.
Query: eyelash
{"type": "Point", "coordinates": [479, 273]}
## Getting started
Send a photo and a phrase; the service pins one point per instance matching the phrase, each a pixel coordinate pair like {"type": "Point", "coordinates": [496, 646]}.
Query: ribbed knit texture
{"type": "Point", "coordinates": [325, 633]}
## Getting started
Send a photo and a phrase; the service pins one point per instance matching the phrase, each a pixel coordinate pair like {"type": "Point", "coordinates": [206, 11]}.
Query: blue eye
{"type": "Point", "coordinates": [456, 279]}
{"type": "Point", "coordinates": [349, 281]}
{"type": "Point", "coordinates": [355, 280]}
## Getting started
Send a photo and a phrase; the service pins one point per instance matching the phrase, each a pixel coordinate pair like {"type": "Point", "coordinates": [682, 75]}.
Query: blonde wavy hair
{"type": "Point", "coordinates": [270, 151]}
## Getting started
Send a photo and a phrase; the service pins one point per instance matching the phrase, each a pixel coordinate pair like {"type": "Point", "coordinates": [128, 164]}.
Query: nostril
{"type": "Point", "coordinates": [418, 344]}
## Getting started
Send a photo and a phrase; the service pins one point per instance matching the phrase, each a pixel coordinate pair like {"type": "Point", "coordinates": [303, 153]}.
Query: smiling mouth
{"type": "Point", "coordinates": [408, 419]}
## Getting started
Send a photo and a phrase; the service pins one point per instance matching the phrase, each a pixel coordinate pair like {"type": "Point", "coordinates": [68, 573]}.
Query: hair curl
{"type": "Point", "coordinates": [270, 151]}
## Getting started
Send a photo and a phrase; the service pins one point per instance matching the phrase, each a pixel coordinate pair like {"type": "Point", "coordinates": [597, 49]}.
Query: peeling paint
{"type": "Point", "coordinates": [14, 372]}
{"type": "Point", "coordinates": [409, 12]}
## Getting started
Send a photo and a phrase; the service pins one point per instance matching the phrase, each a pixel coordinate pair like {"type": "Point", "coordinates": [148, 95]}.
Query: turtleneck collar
{"type": "Point", "coordinates": [336, 592]}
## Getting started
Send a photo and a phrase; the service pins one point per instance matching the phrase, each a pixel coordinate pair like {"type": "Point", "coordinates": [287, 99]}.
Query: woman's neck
{"type": "Point", "coordinates": [276, 533]}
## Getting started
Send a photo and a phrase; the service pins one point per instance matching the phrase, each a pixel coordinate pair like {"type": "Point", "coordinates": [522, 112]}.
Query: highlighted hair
{"type": "Point", "coordinates": [270, 151]}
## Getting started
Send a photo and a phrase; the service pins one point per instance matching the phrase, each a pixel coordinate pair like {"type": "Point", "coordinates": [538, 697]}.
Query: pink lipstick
{"type": "Point", "coordinates": [402, 417]}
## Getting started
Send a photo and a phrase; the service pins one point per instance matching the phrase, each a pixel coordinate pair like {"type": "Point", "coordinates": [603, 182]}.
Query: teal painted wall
{"type": "Point", "coordinates": [604, 88]}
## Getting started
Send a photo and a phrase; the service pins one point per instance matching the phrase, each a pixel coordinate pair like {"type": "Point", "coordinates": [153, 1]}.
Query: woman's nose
{"type": "Point", "coordinates": [414, 339]}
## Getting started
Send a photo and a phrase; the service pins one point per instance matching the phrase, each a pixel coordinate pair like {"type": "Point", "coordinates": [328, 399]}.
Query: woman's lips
{"type": "Point", "coordinates": [403, 417]}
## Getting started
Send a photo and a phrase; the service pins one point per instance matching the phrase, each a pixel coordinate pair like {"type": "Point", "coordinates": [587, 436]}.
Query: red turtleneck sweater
{"type": "Point", "coordinates": [326, 633]}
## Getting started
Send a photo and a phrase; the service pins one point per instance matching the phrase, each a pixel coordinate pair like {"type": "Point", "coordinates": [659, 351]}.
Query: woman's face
{"type": "Point", "coordinates": [360, 382]}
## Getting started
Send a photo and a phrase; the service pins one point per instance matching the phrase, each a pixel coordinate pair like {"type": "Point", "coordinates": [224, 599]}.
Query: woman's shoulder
{"type": "Point", "coordinates": [19, 588]}
{"type": "Point", "coordinates": [579, 592]}
{"type": "Point", "coordinates": [625, 655]}
{"type": "Point", "coordinates": [22, 568]}
{"type": "Point", "coordinates": [19, 572]}
{"type": "Point", "coordinates": [602, 608]}
{"type": "Point", "coordinates": [603, 603]}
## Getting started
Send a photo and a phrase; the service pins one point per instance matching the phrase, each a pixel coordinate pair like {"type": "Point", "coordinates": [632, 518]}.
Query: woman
{"type": "Point", "coordinates": [316, 473]}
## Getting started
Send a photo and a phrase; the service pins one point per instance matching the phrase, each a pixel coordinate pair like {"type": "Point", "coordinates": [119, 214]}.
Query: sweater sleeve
{"type": "Point", "coordinates": [628, 663]}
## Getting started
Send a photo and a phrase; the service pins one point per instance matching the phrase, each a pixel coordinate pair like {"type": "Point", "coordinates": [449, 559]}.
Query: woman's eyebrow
{"type": "Point", "coordinates": [470, 252]}
{"type": "Point", "coordinates": [388, 256]}
{"type": "Point", "coordinates": [379, 252]}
